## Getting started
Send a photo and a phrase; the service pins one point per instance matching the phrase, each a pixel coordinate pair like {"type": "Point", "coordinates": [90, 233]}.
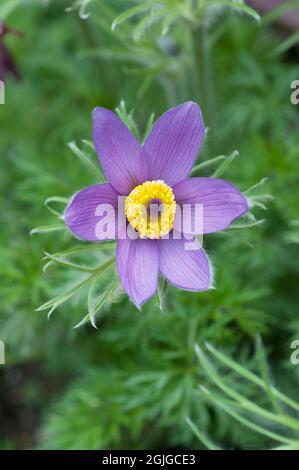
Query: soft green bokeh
{"type": "Point", "coordinates": [132, 382]}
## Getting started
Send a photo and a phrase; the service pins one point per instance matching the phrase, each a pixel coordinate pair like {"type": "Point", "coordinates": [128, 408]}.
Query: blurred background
{"type": "Point", "coordinates": [133, 382]}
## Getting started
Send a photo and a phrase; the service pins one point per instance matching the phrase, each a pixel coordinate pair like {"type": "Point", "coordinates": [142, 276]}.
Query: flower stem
{"type": "Point", "coordinates": [203, 87]}
{"type": "Point", "coordinates": [99, 67]}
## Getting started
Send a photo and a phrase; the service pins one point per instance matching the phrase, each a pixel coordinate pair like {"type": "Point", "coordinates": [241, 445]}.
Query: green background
{"type": "Point", "coordinates": [132, 382]}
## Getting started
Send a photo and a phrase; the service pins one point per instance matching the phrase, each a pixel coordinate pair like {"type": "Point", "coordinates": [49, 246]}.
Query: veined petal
{"type": "Point", "coordinates": [185, 268]}
{"type": "Point", "coordinates": [119, 152]}
{"type": "Point", "coordinates": [137, 267]}
{"type": "Point", "coordinates": [93, 213]}
{"type": "Point", "coordinates": [174, 142]}
{"type": "Point", "coordinates": [221, 204]}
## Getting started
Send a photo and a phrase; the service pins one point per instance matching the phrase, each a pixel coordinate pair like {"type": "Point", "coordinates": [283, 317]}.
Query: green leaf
{"type": "Point", "coordinates": [245, 403]}
{"type": "Point", "coordinates": [149, 126]}
{"type": "Point", "coordinates": [239, 369]}
{"type": "Point", "coordinates": [218, 401]}
{"type": "Point", "coordinates": [129, 14]}
{"type": "Point", "coordinates": [69, 264]}
{"type": "Point", "coordinates": [127, 118]}
{"type": "Point", "coordinates": [207, 163]}
{"type": "Point", "coordinates": [97, 247]}
{"type": "Point", "coordinates": [89, 144]}
{"type": "Point", "coordinates": [201, 436]}
{"type": "Point", "coordinates": [291, 41]}
{"type": "Point", "coordinates": [47, 229]}
{"type": "Point", "coordinates": [238, 226]}
{"type": "Point", "coordinates": [50, 200]}
{"type": "Point", "coordinates": [64, 296]}
{"type": "Point", "coordinates": [81, 5]}
{"type": "Point", "coordinates": [242, 8]}
{"type": "Point", "coordinates": [94, 306]}
{"type": "Point", "coordinates": [264, 373]}
{"type": "Point", "coordinates": [223, 167]}
{"type": "Point", "coordinates": [52, 304]}
{"type": "Point", "coordinates": [101, 246]}
{"type": "Point", "coordinates": [141, 28]}
{"type": "Point", "coordinates": [161, 292]}
{"type": "Point", "coordinates": [85, 159]}
{"type": "Point", "coordinates": [256, 186]}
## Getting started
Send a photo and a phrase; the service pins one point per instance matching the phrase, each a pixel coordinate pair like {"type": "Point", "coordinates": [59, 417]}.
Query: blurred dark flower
{"type": "Point", "coordinates": [288, 19]}
{"type": "Point", "coordinates": [7, 62]}
{"type": "Point", "coordinates": [169, 46]}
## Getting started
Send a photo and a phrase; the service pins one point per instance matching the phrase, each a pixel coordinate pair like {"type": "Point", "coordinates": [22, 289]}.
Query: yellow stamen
{"type": "Point", "coordinates": [150, 209]}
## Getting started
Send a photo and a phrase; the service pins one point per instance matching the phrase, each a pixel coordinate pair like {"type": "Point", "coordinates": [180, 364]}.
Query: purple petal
{"type": "Point", "coordinates": [221, 203]}
{"type": "Point", "coordinates": [186, 269]}
{"type": "Point", "coordinates": [118, 150]}
{"type": "Point", "coordinates": [174, 142]}
{"type": "Point", "coordinates": [137, 267]}
{"type": "Point", "coordinates": [89, 216]}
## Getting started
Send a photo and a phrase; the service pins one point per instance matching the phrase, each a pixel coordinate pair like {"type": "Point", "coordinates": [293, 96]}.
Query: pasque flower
{"type": "Point", "coordinates": [156, 172]}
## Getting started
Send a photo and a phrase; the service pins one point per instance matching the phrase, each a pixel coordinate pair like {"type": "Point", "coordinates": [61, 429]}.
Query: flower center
{"type": "Point", "coordinates": [150, 209]}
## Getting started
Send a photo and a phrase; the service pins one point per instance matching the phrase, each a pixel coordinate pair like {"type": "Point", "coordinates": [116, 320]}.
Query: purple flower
{"type": "Point", "coordinates": [156, 172]}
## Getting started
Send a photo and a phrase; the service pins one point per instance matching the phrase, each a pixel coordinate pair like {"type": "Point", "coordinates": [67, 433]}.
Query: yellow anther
{"type": "Point", "coordinates": [150, 209]}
